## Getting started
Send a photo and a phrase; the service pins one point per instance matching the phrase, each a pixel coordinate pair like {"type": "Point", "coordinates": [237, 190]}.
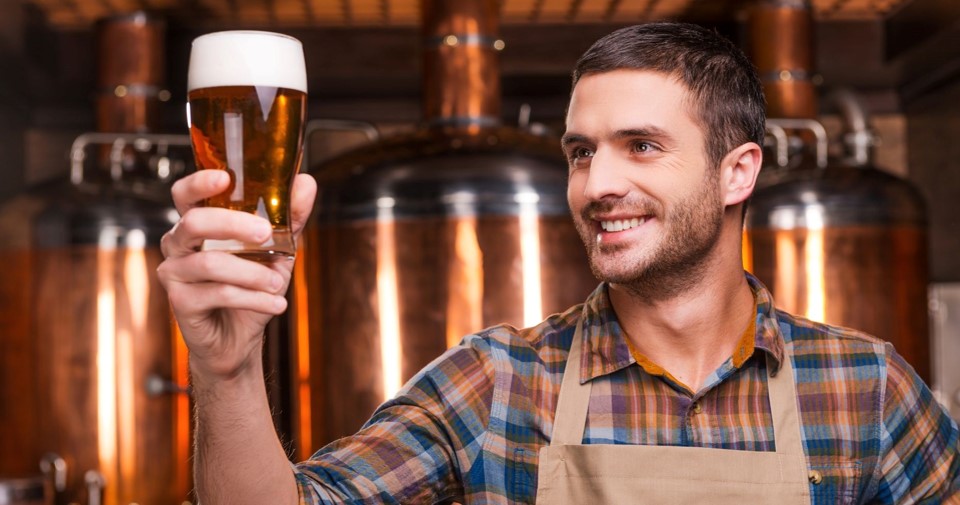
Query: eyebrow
{"type": "Point", "coordinates": [649, 131]}
{"type": "Point", "coordinates": [573, 138]}
{"type": "Point", "coordinates": [645, 131]}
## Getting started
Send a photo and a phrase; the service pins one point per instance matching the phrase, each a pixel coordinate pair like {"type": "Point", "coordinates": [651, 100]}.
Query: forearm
{"type": "Point", "coordinates": [239, 459]}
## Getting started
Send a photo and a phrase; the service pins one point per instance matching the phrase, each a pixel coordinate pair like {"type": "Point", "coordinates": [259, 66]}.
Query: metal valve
{"type": "Point", "coordinates": [95, 483]}
{"type": "Point", "coordinates": [54, 468]}
{"type": "Point", "coordinates": [156, 386]}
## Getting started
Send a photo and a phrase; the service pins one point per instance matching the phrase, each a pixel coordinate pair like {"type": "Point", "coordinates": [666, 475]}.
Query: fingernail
{"type": "Point", "coordinates": [276, 282]}
{"type": "Point", "coordinates": [280, 302]}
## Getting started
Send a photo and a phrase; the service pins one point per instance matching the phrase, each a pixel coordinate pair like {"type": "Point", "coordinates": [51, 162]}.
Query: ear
{"type": "Point", "coordinates": [738, 173]}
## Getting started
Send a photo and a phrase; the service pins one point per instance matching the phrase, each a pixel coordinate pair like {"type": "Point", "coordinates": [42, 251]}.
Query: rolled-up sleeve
{"type": "Point", "coordinates": [415, 446]}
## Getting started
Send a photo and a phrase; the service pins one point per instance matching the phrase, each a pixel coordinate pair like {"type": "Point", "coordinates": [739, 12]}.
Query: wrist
{"type": "Point", "coordinates": [240, 379]}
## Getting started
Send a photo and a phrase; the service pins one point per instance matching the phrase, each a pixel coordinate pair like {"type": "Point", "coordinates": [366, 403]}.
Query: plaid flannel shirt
{"type": "Point", "coordinates": [469, 426]}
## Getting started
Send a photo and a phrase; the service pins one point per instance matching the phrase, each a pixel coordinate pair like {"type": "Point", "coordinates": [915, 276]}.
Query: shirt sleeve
{"type": "Point", "coordinates": [920, 451]}
{"type": "Point", "coordinates": [415, 446]}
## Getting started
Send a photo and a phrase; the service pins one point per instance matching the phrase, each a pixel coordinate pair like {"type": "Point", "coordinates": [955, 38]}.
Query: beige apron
{"type": "Point", "coordinates": [571, 473]}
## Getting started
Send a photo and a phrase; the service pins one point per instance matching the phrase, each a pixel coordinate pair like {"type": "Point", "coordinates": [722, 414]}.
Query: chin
{"type": "Point", "coordinates": [616, 274]}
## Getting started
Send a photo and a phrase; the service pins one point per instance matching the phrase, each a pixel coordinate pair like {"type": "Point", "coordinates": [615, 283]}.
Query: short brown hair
{"type": "Point", "coordinates": [727, 93]}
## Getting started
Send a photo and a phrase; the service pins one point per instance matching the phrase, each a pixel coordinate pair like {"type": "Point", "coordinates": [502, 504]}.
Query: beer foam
{"type": "Point", "coordinates": [246, 58]}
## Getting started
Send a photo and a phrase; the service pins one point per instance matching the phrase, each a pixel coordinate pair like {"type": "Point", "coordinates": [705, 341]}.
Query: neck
{"type": "Point", "coordinates": [691, 333]}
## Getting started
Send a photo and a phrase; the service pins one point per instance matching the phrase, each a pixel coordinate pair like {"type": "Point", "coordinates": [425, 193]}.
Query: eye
{"type": "Point", "coordinates": [578, 155]}
{"type": "Point", "coordinates": [643, 147]}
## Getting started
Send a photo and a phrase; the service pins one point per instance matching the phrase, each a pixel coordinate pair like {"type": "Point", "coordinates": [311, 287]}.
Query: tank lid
{"type": "Point", "coordinates": [502, 171]}
{"type": "Point", "coordinates": [836, 196]}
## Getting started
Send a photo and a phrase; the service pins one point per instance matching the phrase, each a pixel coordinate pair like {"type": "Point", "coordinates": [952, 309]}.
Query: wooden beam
{"type": "Point", "coordinates": [923, 40]}
{"type": "Point", "coordinates": [919, 22]}
{"type": "Point", "coordinates": [11, 27]}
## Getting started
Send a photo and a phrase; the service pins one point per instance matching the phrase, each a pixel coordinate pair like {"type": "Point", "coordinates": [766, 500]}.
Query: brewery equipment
{"type": "Point", "coordinates": [420, 239]}
{"type": "Point", "coordinates": [91, 374]}
{"type": "Point", "coordinates": [91, 389]}
{"type": "Point", "coordinates": [132, 72]}
{"type": "Point", "coordinates": [838, 241]}
{"type": "Point", "coordinates": [845, 244]}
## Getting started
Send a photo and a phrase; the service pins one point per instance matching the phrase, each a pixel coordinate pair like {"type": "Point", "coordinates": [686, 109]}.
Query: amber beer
{"type": "Point", "coordinates": [247, 101]}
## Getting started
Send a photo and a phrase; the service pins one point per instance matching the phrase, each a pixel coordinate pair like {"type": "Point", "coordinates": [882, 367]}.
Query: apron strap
{"type": "Point", "coordinates": [570, 418]}
{"type": "Point", "coordinates": [782, 391]}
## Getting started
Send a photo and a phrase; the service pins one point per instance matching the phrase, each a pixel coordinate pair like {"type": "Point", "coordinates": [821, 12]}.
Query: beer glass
{"type": "Point", "coordinates": [246, 94]}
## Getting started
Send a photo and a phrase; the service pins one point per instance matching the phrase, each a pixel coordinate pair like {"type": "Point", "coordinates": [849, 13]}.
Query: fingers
{"type": "Point", "coordinates": [189, 191]}
{"type": "Point", "coordinates": [197, 300]}
{"type": "Point", "coordinates": [224, 268]}
{"type": "Point", "coordinates": [201, 223]}
{"type": "Point", "coordinates": [206, 281]}
{"type": "Point", "coordinates": [200, 299]}
{"type": "Point", "coordinates": [302, 196]}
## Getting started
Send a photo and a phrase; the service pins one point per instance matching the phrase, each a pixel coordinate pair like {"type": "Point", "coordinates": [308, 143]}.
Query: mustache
{"type": "Point", "coordinates": [639, 206]}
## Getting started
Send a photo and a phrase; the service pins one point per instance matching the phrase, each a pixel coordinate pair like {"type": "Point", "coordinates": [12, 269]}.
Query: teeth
{"type": "Point", "coordinates": [620, 225]}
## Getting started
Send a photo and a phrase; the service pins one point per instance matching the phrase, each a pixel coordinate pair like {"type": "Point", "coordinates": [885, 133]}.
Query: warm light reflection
{"type": "Point", "coordinates": [233, 144]}
{"type": "Point", "coordinates": [465, 282]}
{"type": "Point", "coordinates": [814, 264]}
{"type": "Point", "coordinates": [530, 258]}
{"type": "Point", "coordinates": [388, 298]}
{"type": "Point", "coordinates": [137, 290]}
{"type": "Point", "coordinates": [181, 408]}
{"type": "Point", "coordinates": [746, 251]}
{"type": "Point", "coordinates": [786, 275]}
{"type": "Point", "coordinates": [106, 354]}
{"type": "Point", "coordinates": [126, 416]}
{"type": "Point", "coordinates": [302, 350]}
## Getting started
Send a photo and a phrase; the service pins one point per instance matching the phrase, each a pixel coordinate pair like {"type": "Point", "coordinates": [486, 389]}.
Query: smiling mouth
{"type": "Point", "coordinates": [622, 224]}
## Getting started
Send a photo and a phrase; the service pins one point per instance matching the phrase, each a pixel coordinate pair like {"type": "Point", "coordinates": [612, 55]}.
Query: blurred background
{"type": "Point", "coordinates": [433, 131]}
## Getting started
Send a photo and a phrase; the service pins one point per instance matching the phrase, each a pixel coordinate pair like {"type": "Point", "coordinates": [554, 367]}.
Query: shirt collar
{"type": "Point", "coordinates": [604, 349]}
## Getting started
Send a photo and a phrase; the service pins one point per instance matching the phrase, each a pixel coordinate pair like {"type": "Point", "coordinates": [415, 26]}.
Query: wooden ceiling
{"type": "Point", "coordinates": [302, 13]}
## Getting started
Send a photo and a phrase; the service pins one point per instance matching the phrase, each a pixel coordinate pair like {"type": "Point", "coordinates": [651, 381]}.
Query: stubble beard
{"type": "Point", "coordinates": [680, 259]}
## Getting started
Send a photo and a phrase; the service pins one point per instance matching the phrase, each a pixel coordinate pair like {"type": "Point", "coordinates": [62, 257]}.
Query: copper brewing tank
{"type": "Point", "coordinates": [838, 241]}
{"type": "Point", "coordinates": [846, 245]}
{"type": "Point", "coordinates": [90, 365]}
{"type": "Point", "coordinates": [781, 32]}
{"type": "Point", "coordinates": [421, 239]}
{"type": "Point", "coordinates": [131, 73]}
{"type": "Point", "coordinates": [90, 388]}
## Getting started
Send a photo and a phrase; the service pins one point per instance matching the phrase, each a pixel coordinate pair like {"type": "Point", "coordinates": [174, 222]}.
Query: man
{"type": "Point", "coordinates": [677, 381]}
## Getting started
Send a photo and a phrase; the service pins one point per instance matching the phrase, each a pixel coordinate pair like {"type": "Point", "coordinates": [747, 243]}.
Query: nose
{"type": "Point", "coordinates": [606, 177]}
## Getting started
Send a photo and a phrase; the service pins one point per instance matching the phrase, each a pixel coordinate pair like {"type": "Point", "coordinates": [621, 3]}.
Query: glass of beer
{"type": "Point", "coordinates": [246, 93]}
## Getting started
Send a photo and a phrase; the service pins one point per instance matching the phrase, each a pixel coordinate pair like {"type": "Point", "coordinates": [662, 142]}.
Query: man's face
{"type": "Point", "coordinates": [644, 200]}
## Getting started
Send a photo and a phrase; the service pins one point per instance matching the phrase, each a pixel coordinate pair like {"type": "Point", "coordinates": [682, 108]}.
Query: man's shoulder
{"type": "Point", "coordinates": [800, 332]}
{"type": "Point", "coordinates": [553, 334]}
{"type": "Point", "coordinates": [505, 351]}
{"type": "Point", "coordinates": [825, 353]}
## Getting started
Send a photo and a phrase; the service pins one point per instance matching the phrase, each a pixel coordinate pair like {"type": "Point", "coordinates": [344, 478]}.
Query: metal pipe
{"type": "Point", "coordinates": [858, 137]}
{"type": "Point", "coordinates": [78, 153]}
{"type": "Point", "coordinates": [318, 125]}
{"type": "Point", "coordinates": [810, 125]}
{"type": "Point", "coordinates": [782, 143]}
